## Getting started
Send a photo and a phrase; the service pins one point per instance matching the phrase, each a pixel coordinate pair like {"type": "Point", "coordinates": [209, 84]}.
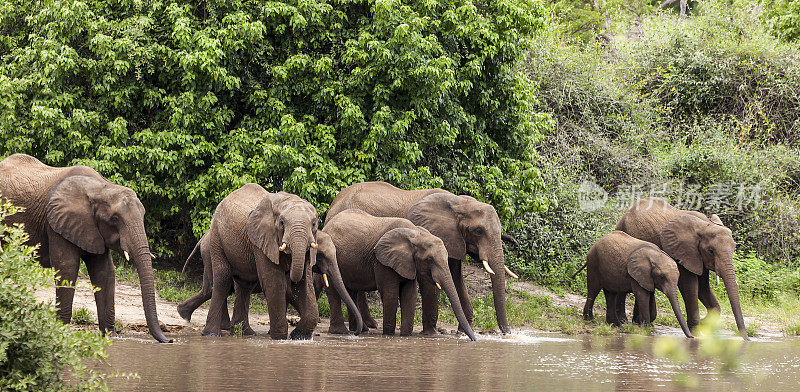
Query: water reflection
{"type": "Point", "coordinates": [523, 362]}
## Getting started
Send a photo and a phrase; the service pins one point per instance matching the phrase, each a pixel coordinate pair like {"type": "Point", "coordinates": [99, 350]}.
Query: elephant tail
{"type": "Point", "coordinates": [578, 271]}
{"type": "Point", "coordinates": [196, 248]}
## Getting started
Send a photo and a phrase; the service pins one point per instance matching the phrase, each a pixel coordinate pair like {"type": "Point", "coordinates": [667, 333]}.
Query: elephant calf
{"type": "Point", "coordinates": [389, 255]}
{"type": "Point", "coordinates": [619, 264]}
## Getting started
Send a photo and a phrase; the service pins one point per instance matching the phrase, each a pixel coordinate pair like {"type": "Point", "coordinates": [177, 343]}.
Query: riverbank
{"type": "Point", "coordinates": [530, 308]}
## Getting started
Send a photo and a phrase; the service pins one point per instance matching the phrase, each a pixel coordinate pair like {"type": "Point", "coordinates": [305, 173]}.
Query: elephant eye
{"type": "Point", "coordinates": [479, 231]}
{"type": "Point", "coordinates": [280, 223]}
{"type": "Point", "coordinates": [711, 250]}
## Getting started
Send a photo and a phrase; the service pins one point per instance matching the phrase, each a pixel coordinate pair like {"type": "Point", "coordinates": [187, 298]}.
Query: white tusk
{"type": "Point", "coordinates": [513, 275]}
{"type": "Point", "coordinates": [127, 256]}
{"type": "Point", "coordinates": [439, 286]}
{"type": "Point", "coordinates": [283, 247]}
{"type": "Point", "coordinates": [314, 245]}
{"type": "Point", "coordinates": [717, 279]}
{"type": "Point", "coordinates": [325, 278]}
{"type": "Point", "coordinates": [488, 269]}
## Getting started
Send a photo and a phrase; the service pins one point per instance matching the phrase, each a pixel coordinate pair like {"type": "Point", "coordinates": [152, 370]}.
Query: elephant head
{"type": "Point", "coordinates": [328, 267]}
{"type": "Point", "coordinates": [699, 244]}
{"type": "Point", "coordinates": [653, 269]}
{"type": "Point", "coordinates": [97, 215]}
{"type": "Point", "coordinates": [413, 252]}
{"type": "Point", "coordinates": [285, 223]}
{"type": "Point", "coordinates": [468, 226]}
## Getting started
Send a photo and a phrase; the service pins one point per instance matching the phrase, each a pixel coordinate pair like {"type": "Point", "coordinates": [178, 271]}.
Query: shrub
{"type": "Point", "coordinates": [184, 101]}
{"type": "Point", "coordinates": [36, 349]}
{"type": "Point", "coordinates": [82, 316]}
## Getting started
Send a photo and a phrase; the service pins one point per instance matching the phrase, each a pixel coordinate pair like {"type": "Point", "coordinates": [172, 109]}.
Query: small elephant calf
{"type": "Point", "coordinates": [620, 264]}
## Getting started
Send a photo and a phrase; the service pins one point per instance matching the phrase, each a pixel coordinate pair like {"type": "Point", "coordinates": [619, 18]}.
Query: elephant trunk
{"type": "Point", "coordinates": [449, 289]}
{"type": "Point", "coordinates": [672, 295]}
{"type": "Point", "coordinates": [338, 285]}
{"type": "Point", "coordinates": [497, 263]}
{"type": "Point", "coordinates": [143, 260]}
{"type": "Point", "coordinates": [299, 245]}
{"type": "Point", "coordinates": [732, 288]}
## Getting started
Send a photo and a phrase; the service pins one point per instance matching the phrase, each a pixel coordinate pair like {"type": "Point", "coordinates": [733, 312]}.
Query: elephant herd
{"type": "Point", "coordinates": [375, 237]}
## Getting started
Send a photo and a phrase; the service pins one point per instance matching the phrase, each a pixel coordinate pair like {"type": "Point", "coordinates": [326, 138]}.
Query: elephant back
{"type": "Point", "coordinates": [646, 218]}
{"type": "Point", "coordinates": [377, 198]}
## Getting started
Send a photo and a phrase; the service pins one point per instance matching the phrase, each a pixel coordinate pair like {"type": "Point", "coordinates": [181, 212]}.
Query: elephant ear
{"type": "Point", "coordinates": [70, 213]}
{"type": "Point", "coordinates": [680, 238]}
{"type": "Point", "coordinates": [394, 250]}
{"type": "Point", "coordinates": [438, 213]}
{"type": "Point", "coordinates": [715, 219]}
{"type": "Point", "coordinates": [640, 269]}
{"type": "Point", "coordinates": [261, 229]}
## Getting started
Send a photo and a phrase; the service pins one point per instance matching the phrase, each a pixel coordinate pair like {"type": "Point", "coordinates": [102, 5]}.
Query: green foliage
{"type": "Point", "coordinates": [186, 101]}
{"type": "Point", "coordinates": [784, 18]}
{"type": "Point", "coordinates": [82, 316]}
{"type": "Point", "coordinates": [36, 348]}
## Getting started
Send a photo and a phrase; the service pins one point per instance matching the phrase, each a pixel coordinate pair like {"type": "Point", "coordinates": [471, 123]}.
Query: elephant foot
{"type": "Point", "coordinates": [505, 329]}
{"type": "Point", "coordinates": [298, 334]}
{"type": "Point", "coordinates": [338, 329]}
{"type": "Point", "coordinates": [211, 333]}
{"type": "Point", "coordinates": [369, 322]}
{"type": "Point", "coordinates": [431, 331]}
{"type": "Point", "coordinates": [226, 325]}
{"type": "Point", "coordinates": [185, 312]}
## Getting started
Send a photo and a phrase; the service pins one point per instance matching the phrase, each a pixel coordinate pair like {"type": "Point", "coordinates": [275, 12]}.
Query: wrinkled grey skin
{"type": "Point", "coordinates": [326, 264]}
{"type": "Point", "coordinates": [75, 214]}
{"type": "Point", "coordinates": [389, 255]}
{"type": "Point", "coordinates": [243, 245]}
{"type": "Point", "coordinates": [619, 264]}
{"type": "Point", "coordinates": [698, 243]}
{"type": "Point", "coordinates": [465, 225]}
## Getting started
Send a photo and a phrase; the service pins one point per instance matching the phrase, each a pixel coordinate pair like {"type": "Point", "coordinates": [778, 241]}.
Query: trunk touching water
{"type": "Point", "coordinates": [496, 261]}
{"type": "Point", "coordinates": [732, 288]}
{"type": "Point", "coordinates": [672, 295]}
{"type": "Point", "coordinates": [449, 288]}
{"type": "Point", "coordinates": [140, 253]}
{"type": "Point", "coordinates": [338, 285]}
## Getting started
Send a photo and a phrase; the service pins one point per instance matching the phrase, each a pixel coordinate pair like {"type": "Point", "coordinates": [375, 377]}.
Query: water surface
{"type": "Point", "coordinates": [525, 361]}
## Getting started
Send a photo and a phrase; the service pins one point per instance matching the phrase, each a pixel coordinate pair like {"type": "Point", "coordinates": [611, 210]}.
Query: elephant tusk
{"type": "Point", "coordinates": [513, 275]}
{"type": "Point", "coordinates": [283, 247]}
{"type": "Point", "coordinates": [438, 285]}
{"type": "Point", "coordinates": [488, 269]}
{"type": "Point", "coordinates": [314, 245]}
{"type": "Point", "coordinates": [325, 278]}
{"type": "Point", "coordinates": [127, 256]}
{"type": "Point", "coordinates": [717, 279]}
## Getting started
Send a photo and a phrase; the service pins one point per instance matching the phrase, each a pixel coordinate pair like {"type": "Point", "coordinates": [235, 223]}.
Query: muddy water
{"type": "Point", "coordinates": [523, 362]}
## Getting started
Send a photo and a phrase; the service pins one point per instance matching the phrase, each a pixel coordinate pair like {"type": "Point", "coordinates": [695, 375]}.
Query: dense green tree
{"type": "Point", "coordinates": [184, 101]}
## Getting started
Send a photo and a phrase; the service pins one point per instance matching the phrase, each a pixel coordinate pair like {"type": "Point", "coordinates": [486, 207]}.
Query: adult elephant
{"type": "Point", "coordinates": [698, 243]}
{"type": "Point", "coordinates": [269, 239]}
{"type": "Point", "coordinates": [465, 225]}
{"type": "Point", "coordinates": [389, 255]}
{"type": "Point", "coordinates": [75, 214]}
{"type": "Point", "coordinates": [326, 267]}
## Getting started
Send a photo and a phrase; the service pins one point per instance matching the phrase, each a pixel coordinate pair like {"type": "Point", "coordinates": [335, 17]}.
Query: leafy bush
{"type": "Point", "coordinates": [184, 101]}
{"type": "Point", "coordinates": [36, 349]}
{"type": "Point", "coordinates": [82, 316]}
{"type": "Point", "coordinates": [784, 18]}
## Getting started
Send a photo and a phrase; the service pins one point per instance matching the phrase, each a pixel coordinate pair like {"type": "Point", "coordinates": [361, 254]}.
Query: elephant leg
{"type": "Point", "coordinates": [65, 259]}
{"type": "Point", "coordinates": [643, 304]}
{"type": "Point", "coordinates": [611, 307]}
{"type": "Point", "coordinates": [220, 288]}
{"type": "Point", "coordinates": [273, 282]}
{"type": "Point", "coordinates": [408, 304]}
{"type": "Point", "coordinates": [705, 294]}
{"type": "Point", "coordinates": [187, 307]}
{"type": "Point", "coordinates": [620, 307]}
{"type": "Point", "coordinates": [389, 288]}
{"type": "Point", "coordinates": [241, 306]}
{"type": "Point", "coordinates": [653, 308]}
{"type": "Point", "coordinates": [430, 305]}
{"type": "Point", "coordinates": [687, 284]}
{"type": "Point", "coordinates": [337, 320]}
{"type": "Point", "coordinates": [306, 305]}
{"type": "Point", "coordinates": [101, 273]}
{"type": "Point", "coordinates": [592, 290]}
{"type": "Point", "coordinates": [461, 290]}
{"type": "Point", "coordinates": [363, 307]}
